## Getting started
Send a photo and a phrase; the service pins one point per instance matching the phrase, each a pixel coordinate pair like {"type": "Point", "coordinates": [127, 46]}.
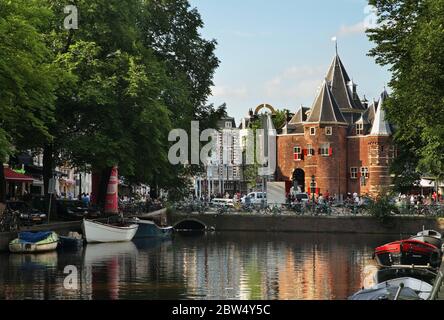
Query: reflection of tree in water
{"type": "Point", "coordinates": [231, 265]}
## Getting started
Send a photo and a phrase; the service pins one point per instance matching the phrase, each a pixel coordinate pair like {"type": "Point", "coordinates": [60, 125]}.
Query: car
{"type": "Point", "coordinates": [222, 203]}
{"type": "Point", "coordinates": [302, 197]}
{"type": "Point", "coordinates": [75, 210]}
{"type": "Point", "coordinates": [28, 215]}
{"type": "Point", "coordinates": [255, 198]}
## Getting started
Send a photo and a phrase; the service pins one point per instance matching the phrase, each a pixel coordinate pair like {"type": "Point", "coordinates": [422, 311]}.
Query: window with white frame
{"type": "Point", "coordinates": [297, 153]}
{"type": "Point", "coordinates": [310, 150]}
{"type": "Point", "coordinates": [354, 173]}
{"type": "Point", "coordinates": [328, 131]}
{"type": "Point", "coordinates": [360, 129]}
{"type": "Point", "coordinates": [364, 172]}
{"type": "Point", "coordinates": [312, 131]}
{"type": "Point", "coordinates": [325, 150]}
{"type": "Point", "coordinates": [228, 125]}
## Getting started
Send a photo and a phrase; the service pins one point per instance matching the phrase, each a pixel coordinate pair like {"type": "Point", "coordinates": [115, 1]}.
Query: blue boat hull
{"type": "Point", "coordinates": [70, 243]}
{"type": "Point", "coordinates": [151, 230]}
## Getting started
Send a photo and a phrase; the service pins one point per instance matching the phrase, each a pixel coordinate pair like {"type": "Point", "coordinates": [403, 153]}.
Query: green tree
{"type": "Point", "coordinates": [410, 40]}
{"type": "Point", "coordinates": [27, 79]}
{"type": "Point", "coordinates": [124, 89]}
{"type": "Point", "coordinates": [250, 172]}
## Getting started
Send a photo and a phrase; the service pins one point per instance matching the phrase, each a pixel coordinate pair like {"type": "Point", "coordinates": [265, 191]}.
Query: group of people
{"type": "Point", "coordinates": [418, 199]}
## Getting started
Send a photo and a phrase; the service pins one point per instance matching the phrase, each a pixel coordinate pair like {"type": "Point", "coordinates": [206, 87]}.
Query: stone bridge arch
{"type": "Point", "coordinates": [190, 224]}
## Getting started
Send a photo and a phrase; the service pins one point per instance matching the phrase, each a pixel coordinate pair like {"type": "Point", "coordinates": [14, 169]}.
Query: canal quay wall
{"type": "Point", "coordinates": [402, 226]}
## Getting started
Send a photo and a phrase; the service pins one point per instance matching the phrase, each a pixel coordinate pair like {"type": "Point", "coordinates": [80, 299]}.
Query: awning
{"type": "Point", "coordinates": [426, 183]}
{"type": "Point", "coordinates": [11, 175]}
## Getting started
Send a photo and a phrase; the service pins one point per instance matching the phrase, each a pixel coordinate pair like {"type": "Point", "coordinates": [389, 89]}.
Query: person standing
{"type": "Point", "coordinates": [434, 197]}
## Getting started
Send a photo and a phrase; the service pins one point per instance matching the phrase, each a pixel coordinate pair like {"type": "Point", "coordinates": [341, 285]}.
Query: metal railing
{"type": "Point", "coordinates": [437, 286]}
{"type": "Point", "coordinates": [310, 209]}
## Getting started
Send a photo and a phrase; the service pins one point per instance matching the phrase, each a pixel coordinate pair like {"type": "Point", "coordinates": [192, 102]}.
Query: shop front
{"type": "Point", "coordinates": [18, 185]}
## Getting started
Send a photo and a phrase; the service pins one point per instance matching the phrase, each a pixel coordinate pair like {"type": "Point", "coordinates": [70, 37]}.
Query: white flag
{"type": "Point", "coordinates": [334, 39]}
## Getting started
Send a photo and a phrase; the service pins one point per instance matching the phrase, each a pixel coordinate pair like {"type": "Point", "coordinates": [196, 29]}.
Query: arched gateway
{"type": "Point", "coordinates": [299, 180]}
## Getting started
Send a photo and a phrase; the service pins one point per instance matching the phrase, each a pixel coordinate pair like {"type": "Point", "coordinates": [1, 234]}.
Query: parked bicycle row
{"type": "Point", "coordinates": [222, 206]}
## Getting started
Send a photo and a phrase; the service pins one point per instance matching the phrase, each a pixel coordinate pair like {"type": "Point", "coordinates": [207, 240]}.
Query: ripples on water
{"type": "Point", "coordinates": [211, 266]}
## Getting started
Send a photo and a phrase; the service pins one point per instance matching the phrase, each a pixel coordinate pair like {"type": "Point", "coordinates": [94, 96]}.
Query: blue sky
{"type": "Point", "coordinates": [278, 52]}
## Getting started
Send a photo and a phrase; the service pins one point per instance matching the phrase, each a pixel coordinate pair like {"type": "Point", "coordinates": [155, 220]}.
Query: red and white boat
{"type": "Point", "coordinates": [408, 252]}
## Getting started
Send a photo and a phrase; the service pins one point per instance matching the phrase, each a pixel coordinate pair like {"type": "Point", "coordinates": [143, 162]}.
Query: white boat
{"type": "Point", "coordinates": [96, 232]}
{"type": "Point", "coordinates": [422, 288]}
{"type": "Point", "coordinates": [401, 288]}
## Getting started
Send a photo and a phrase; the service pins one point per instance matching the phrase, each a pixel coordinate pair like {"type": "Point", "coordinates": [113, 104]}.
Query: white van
{"type": "Point", "coordinates": [256, 198]}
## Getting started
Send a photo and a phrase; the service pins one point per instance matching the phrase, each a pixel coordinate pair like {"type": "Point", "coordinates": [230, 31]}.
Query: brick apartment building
{"type": "Point", "coordinates": [345, 143]}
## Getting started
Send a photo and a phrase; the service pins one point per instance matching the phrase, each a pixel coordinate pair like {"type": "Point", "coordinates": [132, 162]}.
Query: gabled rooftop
{"type": "Point", "coordinates": [300, 116]}
{"type": "Point", "coordinates": [325, 108]}
{"type": "Point", "coordinates": [343, 88]}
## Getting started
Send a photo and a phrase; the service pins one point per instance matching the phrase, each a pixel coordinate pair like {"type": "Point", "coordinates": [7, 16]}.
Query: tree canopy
{"type": "Point", "coordinates": [410, 40]}
{"type": "Point", "coordinates": [27, 80]}
{"type": "Point", "coordinates": [109, 92]}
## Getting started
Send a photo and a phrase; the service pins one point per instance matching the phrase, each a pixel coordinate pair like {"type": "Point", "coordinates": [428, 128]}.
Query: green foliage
{"type": "Point", "coordinates": [411, 43]}
{"type": "Point", "coordinates": [109, 92]}
{"type": "Point", "coordinates": [250, 172]}
{"type": "Point", "coordinates": [26, 77]}
{"type": "Point", "coordinates": [382, 208]}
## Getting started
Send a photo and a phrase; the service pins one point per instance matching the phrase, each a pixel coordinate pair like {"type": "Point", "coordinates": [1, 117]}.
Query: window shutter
{"type": "Point", "coordinates": [319, 151]}
{"type": "Point", "coordinates": [305, 152]}
{"type": "Point", "coordinates": [330, 151]}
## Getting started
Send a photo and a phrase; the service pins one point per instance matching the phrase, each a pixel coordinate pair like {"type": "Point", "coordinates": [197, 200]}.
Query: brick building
{"type": "Point", "coordinates": [345, 143]}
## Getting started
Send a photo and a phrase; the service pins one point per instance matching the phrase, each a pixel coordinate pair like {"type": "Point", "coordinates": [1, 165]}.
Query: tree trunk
{"type": "Point", "coordinates": [48, 166]}
{"type": "Point", "coordinates": [2, 185]}
{"type": "Point", "coordinates": [48, 169]}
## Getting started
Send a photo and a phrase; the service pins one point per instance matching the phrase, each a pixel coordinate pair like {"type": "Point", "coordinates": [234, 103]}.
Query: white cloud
{"type": "Point", "coordinates": [348, 30]}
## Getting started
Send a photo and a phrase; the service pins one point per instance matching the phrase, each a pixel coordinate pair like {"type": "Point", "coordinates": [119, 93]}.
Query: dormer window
{"type": "Point", "coordinates": [360, 129]}
{"type": "Point", "coordinates": [228, 125]}
{"type": "Point", "coordinates": [312, 131]}
{"type": "Point", "coordinates": [328, 131]}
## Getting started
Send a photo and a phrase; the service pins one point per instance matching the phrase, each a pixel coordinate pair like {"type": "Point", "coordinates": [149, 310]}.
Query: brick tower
{"type": "Point", "coordinates": [325, 133]}
{"type": "Point", "coordinates": [380, 151]}
{"type": "Point", "coordinates": [344, 143]}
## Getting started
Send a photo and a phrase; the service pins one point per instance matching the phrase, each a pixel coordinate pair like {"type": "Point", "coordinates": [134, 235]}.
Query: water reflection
{"type": "Point", "coordinates": [206, 266]}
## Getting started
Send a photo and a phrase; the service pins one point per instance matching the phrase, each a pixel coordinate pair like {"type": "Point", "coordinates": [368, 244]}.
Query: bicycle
{"type": "Point", "coordinates": [273, 210]}
{"type": "Point", "coordinates": [9, 220]}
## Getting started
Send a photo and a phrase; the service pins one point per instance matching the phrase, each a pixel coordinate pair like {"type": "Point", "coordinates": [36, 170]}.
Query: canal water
{"type": "Point", "coordinates": [229, 265]}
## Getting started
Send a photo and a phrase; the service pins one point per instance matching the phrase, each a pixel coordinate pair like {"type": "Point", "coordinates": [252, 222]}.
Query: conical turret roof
{"type": "Point", "coordinates": [340, 83]}
{"type": "Point", "coordinates": [381, 127]}
{"type": "Point", "coordinates": [325, 108]}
